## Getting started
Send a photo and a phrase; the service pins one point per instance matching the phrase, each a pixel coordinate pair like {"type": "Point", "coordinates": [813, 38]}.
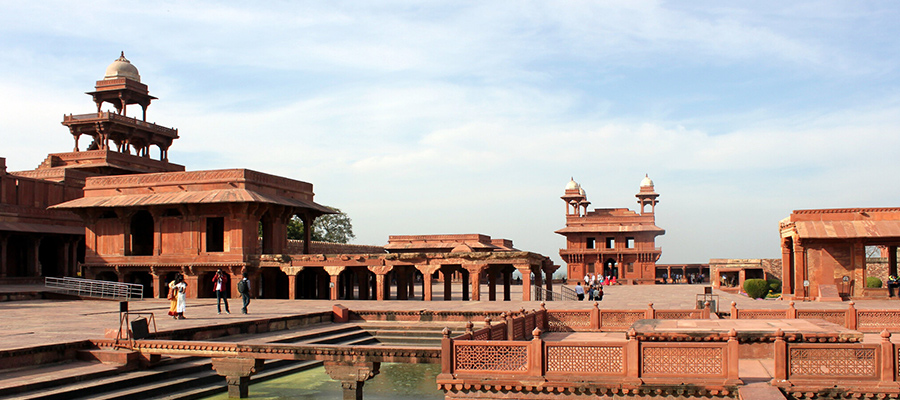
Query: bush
{"type": "Point", "coordinates": [873, 282]}
{"type": "Point", "coordinates": [774, 285]}
{"type": "Point", "coordinates": [756, 288]}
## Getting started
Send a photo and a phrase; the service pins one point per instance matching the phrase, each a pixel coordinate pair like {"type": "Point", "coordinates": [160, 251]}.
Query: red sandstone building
{"type": "Point", "coordinates": [611, 241]}
{"type": "Point", "coordinates": [824, 251]}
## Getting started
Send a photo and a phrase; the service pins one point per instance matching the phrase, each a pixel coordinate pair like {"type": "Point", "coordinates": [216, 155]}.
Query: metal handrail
{"type": "Point", "coordinates": [95, 288]}
{"type": "Point", "coordinates": [540, 294]}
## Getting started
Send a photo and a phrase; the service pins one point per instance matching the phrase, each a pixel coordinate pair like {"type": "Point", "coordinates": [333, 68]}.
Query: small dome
{"type": "Point", "coordinates": [646, 182]}
{"type": "Point", "coordinates": [122, 68]}
{"type": "Point", "coordinates": [581, 191]}
{"type": "Point", "coordinates": [572, 184]}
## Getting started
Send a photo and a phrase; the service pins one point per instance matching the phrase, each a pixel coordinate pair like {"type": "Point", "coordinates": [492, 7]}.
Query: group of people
{"type": "Point", "coordinates": [593, 286]}
{"type": "Point", "coordinates": [178, 290]}
{"type": "Point", "coordinates": [599, 280]}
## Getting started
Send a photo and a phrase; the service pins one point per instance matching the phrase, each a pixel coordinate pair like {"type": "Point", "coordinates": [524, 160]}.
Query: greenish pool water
{"type": "Point", "coordinates": [395, 382]}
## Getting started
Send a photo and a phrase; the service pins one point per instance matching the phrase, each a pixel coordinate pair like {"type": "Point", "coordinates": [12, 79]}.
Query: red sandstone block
{"type": "Point", "coordinates": [340, 313]}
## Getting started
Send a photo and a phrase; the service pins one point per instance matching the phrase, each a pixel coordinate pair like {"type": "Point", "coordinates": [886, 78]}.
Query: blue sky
{"type": "Point", "coordinates": [470, 117]}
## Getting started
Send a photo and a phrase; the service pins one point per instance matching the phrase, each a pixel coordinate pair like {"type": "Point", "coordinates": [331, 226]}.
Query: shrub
{"type": "Point", "coordinates": [756, 288]}
{"type": "Point", "coordinates": [873, 282]}
{"type": "Point", "coordinates": [774, 285]}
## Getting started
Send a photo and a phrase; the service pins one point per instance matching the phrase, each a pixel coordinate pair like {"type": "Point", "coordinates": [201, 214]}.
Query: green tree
{"type": "Point", "coordinates": [334, 228]}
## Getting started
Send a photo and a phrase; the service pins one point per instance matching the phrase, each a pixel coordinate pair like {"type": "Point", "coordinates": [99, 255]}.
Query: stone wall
{"type": "Point", "coordinates": [296, 247]}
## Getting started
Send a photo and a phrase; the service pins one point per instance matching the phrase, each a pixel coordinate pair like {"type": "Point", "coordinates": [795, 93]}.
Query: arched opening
{"type": "Point", "coordinates": [266, 234]}
{"type": "Point", "coordinates": [142, 278]}
{"type": "Point", "coordinates": [610, 268]}
{"type": "Point", "coordinates": [312, 283]}
{"type": "Point", "coordinates": [108, 276]}
{"type": "Point", "coordinates": [50, 255]}
{"type": "Point", "coordinates": [18, 250]}
{"type": "Point", "coordinates": [273, 283]}
{"type": "Point", "coordinates": [356, 283]}
{"type": "Point", "coordinates": [142, 234]}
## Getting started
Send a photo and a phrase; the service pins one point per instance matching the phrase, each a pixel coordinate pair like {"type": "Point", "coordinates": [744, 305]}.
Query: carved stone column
{"type": "Point", "coordinates": [492, 283]}
{"type": "Point", "coordinates": [475, 278]}
{"type": "Point", "coordinates": [427, 272]}
{"type": "Point", "coordinates": [525, 270]}
{"type": "Point", "coordinates": [787, 267]}
{"type": "Point", "coordinates": [352, 376]}
{"type": "Point", "coordinates": [237, 373]}
{"type": "Point", "coordinates": [333, 273]}
{"type": "Point", "coordinates": [380, 272]}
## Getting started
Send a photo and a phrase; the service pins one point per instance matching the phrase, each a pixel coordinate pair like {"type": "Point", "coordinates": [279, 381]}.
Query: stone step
{"type": "Point", "coordinates": [406, 333]}
{"type": "Point", "coordinates": [88, 388]}
{"type": "Point", "coordinates": [276, 371]}
{"type": "Point", "coordinates": [341, 338]}
{"type": "Point", "coordinates": [410, 341]}
{"type": "Point", "coordinates": [51, 375]}
{"type": "Point", "coordinates": [302, 335]}
{"type": "Point", "coordinates": [127, 358]}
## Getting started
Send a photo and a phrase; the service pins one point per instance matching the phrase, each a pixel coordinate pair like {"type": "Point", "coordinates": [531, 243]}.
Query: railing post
{"type": "Point", "coordinates": [446, 351]}
{"type": "Point", "coordinates": [733, 353]}
{"type": "Point", "coordinates": [704, 313]}
{"type": "Point", "coordinates": [469, 330]}
{"type": "Point", "coordinates": [791, 311]}
{"type": "Point", "coordinates": [650, 313]}
{"type": "Point", "coordinates": [595, 317]}
{"type": "Point", "coordinates": [852, 317]}
{"type": "Point", "coordinates": [734, 310]}
{"type": "Point", "coordinates": [888, 358]}
{"type": "Point", "coordinates": [510, 326]}
{"type": "Point", "coordinates": [545, 319]}
{"type": "Point", "coordinates": [781, 356]}
{"type": "Point", "coordinates": [487, 325]}
{"type": "Point", "coordinates": [536, 356]}
{"type": "Point", "coordinates": [632, 356]}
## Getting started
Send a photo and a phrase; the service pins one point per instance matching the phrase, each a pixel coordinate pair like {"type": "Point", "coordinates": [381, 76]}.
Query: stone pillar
{"type": "Point", "coordinates": [237, 372]}
{"type": "Point", "coordinates": [787, 279]}
{"type": "Point", "coordinates": [292, 286]}
{"type": "Point", "coordinates": [380, 272]}
{"type": "Point", "coordinates": [362, 280]}
{"type": "Point", "coordinates": [427, 272]}
{"type": "Point", "coordinates": [858, 264]}
{"type": "Point", "coordinates": [402, 275]}
{"type": "Point", "coordinates": [333, 273]}
{"type": "Point", "coordinates": [411, 276]}
{"type": "Point", "coordinates": [159, 282]}
{"type": "Point", "coordinates": [192, 289]}
{"type": "Point", "coordinates": [447, 273]}
{"type": "Point", "coordinates": [799, 269]}
{"type": "Point", "coordinates": [507, 282]}
{"type": "Point", "coordinates": [36, 259]}
{"type": "Point", "coordinates": [475, 272]}
{"type": "Point", "coordinates": [525, 270]}
{"type": "Point", "coordinates": [465, 277]}
{"type": "Point", "coordinates": [352, 376]}
{"type": "Point", "coordinates": [492, 283]}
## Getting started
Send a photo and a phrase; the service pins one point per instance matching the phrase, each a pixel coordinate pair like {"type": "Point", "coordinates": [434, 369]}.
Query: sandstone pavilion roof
{"type": "Point", "coordinates": [122, 68]}
{"type": "Point", "coordinates": [195, 187]}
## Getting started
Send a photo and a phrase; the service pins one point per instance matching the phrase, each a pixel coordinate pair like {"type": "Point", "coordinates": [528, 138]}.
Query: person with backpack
{"type": "Point", "coordinates": [243, 288]}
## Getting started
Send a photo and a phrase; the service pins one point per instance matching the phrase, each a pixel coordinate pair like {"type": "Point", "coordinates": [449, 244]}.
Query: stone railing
{"type": "Point", "coordinates": [705, 366]}
{"type": "Point", "coordinates": [596, 319]}
{"type": "Point", "coordinates": [515, 325]}
{"type": "Point", "coordinates": [831, 370]}
{"type": "Point", "coordinates": [851, 318]}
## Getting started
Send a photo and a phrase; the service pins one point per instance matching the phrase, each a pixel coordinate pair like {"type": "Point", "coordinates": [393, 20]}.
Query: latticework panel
{"type": "Point", "coordinates": [596, 359]}
{"type": "Point", "coordinates": [480, 357]}
{"type": "Point", "coordinates": [835, 317]}
{"type": "Point", "coordinates": [666, 314]}
{"type": "Point", "coordinates": [682, 360]}
{"type": "Point", "coordinates": [529, 324]}
{"type": "Point", "coordinates": [482, 334]}
{"type": "Point", "coordinates": [518, 328]}
{"type": "Point", "coordinates": [568, 321]}
{"type": "Point", "coordinates": [833, 362]}
{"type": "Point", "coordinates": [620, 319]}
{"type": "Point", "coordinates": [762, 314]}
{"type": "Point", "coordinates": [541, 318]}
{"type": "Point", "coordinates": [883, 319]}
{"type": "Point", "coordinates": [498, 332]}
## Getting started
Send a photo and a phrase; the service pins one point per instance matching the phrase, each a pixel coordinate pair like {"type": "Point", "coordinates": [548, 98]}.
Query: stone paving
{"type": "Point", "coordinates": [40, 322]}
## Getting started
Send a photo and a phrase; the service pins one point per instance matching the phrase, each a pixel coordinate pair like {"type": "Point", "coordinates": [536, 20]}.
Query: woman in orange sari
{"type": "Point", "coordinates": [173, 301]}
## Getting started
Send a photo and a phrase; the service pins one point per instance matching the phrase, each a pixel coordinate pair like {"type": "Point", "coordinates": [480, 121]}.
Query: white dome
{"type": "Point", "coordinates": [572, 184]}
{"type": "Point", "coordinates": [122, 68]}
{"type": "Point", "coordinates": [581, 191]}
{"type": "Point", "coordinates": [646, 182]}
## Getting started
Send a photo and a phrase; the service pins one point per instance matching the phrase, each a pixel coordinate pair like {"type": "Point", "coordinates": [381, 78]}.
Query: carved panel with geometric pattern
{"type": "Point", "coordinates": [620, 319]}
{"type": "Point", "coordinates": [834, 316]}
{"type": "Point", "coordinates": [672, 314]}
{"type": "Point", "coordinates": [490, 357]}
{"type": "Point", "coordinates": [598, 359]}
{"type": "Point", "coordinates": [568, 321]}
{"type": "Point", "coordinates": [877, 319]}
{"type": "Point", "coordinates": [762, 314]}
{"type": "Point", "coordinates": [833, 362]}
{"type": "Point", "coordinates": [682, 361]}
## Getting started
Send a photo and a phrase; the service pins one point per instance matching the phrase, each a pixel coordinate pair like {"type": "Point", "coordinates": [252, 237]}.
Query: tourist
{"type": "Point", "coordinates": [180, 293]}
{"type": "Point", "coordinates": [244, 290]}
{"type": "Point", "coordinates": [587, 279]}
{"type": "Point", "coordinates": [220, 282]}
{"type": "Point", "coordinates": [579, 291]}
{"type": "Point", "coordinates": [173, 301]}
{"type": "Point", "coordinates": [590, 293]}
{"type": "Point", "coordinates": [593, 280]}
{"type": "Point", "coordinates": [893, 283]}
{"type": "Point", "coordinates": [599, 295]}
